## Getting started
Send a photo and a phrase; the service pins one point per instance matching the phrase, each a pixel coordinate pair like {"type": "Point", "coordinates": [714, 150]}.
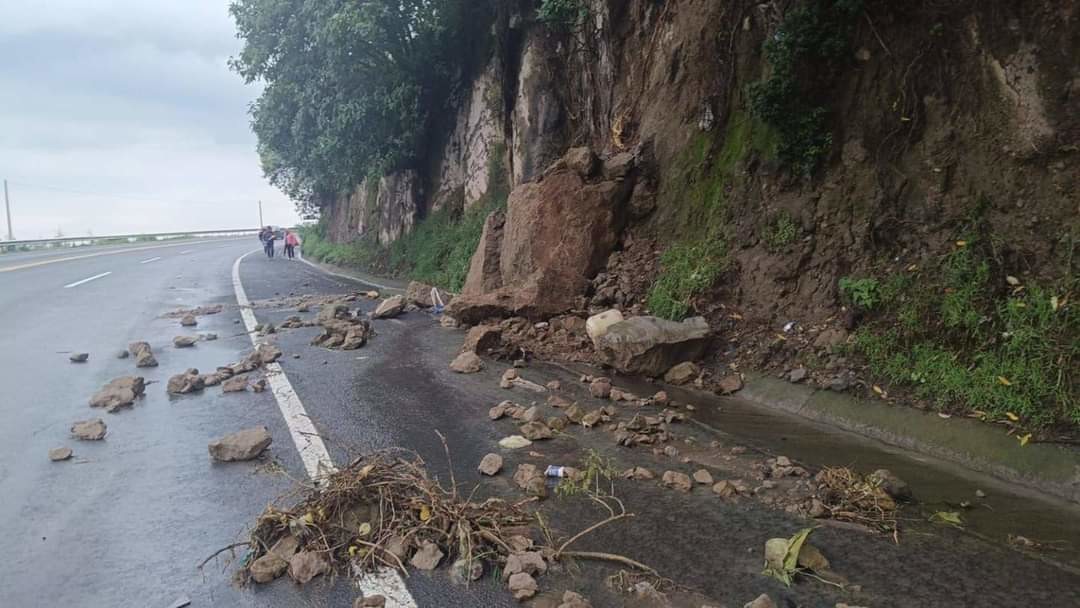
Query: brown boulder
{"type": "Point", "coordinates": [682, 373]}
{"type": "Point", "coordinates": [467, 363]}
{"type": "Point", "coordinates": [651, 345]}
{"type": "Point", "coordinates": [144, 356]}
{"type": "Point", "coordinates": [482, 339]}
{"type": "Point", "coordinates": [187, 382]}
{"type": "Point", "coordinates": [390, 307]}
{"type": "Point", "coordinates": [306, 565]}
{"type": "Point", "coordinates": [89, 430]}
{"type": "Point", "coordinates": [241, 445]}
{"type": "Point", "coordinates": [419, 294]}
{"type": "Point", "coordinates": [729, 384]}
{"type": "Point", "coordinates": [676, 480]}
{"type": "Point", "coordinates": [535, 260]}
{"type": "Point", "coordinates": [235, 384]}
{"type": "Point", "coordinates": [119, 392]}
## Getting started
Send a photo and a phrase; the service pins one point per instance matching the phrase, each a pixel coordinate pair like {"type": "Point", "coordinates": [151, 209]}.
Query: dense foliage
{"type": "Point", "coordinates": [804, 53]}
{"type": "Point", "coordinates": [349, 86]}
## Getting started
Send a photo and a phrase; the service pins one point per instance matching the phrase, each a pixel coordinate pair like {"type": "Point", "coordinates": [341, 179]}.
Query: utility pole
{"type": "Point", "coordinates": [7, 206]}
{"type": "Point", "coordinates": [261, 224]}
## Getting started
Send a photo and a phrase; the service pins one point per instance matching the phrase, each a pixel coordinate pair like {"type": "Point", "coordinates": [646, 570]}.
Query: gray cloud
{"type": "Point", "coordinates": [131, 101]}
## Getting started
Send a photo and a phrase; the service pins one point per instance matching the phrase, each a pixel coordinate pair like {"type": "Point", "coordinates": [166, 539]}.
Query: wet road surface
{"type": "Point", "coordinates": [128, 519]}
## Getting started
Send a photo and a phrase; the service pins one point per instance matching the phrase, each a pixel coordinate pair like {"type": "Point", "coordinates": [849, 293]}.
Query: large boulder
{"type": "Point", "coordinates": [390, 307]}
{"type": "Point", "coordinates": [144, 356]}
{"type": "Point", "coordinates": [420, 294]}
{"type": "Point", "coordinates": [650, 346]}
{"type": "Point", "coordinates": [119, 392]}
{"type": "Point", "coordinates": [535, 261]}
{"type": "Point", "coordinates": [598, 324]}
{"type": "Point", "coordinates": [241, 445]}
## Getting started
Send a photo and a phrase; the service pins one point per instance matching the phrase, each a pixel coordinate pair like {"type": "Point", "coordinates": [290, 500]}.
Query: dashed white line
{"type": "Point", "coordinates": [316, 459]}
{"type": "Point", "coordinates": [185, 252]}
{"type": "Point", "coordinates": [87, 280]}
{"type": "Point", "coordinates": [150, 260]}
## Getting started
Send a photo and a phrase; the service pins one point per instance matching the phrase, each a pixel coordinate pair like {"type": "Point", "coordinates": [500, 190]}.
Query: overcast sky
{"type": "Point", "coordinates": [121, 116]}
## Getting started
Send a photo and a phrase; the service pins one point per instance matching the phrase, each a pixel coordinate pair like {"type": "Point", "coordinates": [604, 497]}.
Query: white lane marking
{"type": "Point", "coordinates": [345, 276]}
{"type": "Point", "coordinates": [386, 582]}
{"type": "Point", "coordinates": [150, 260]}
{"type": "Point", "coordinates": [87, 280]}
{"type": "Point", "coordinates": [111, 252]}
{"type": "Point", "coordinates": [185, 252]}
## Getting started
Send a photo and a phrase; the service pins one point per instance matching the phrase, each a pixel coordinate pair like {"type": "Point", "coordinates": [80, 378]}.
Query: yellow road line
{"type": "Point", "coordinates": [100, 253]}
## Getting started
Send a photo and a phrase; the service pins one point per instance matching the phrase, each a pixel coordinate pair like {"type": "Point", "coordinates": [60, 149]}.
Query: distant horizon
{"type": "Point", "coordinates": [125, 118]}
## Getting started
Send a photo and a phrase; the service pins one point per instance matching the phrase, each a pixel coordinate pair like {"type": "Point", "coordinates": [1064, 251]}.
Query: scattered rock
{"type": "Point", "coordinates": [465, 571]}
{"type": "Point", "coordinates": [371, 601]}
{"type": "Point", "coordinates": [514, 442]}
{"type": "Point", "coordinates": [660, 398]}
{"type": "Point", "coordinates": [682, 373]}
{"type": "Point", "coordinates": [184, 341]}
{"type": "Point", "coordinates": [427, 557]}
{"type": "Point", "coordinates": [650, 345]}
{"type": "Point", "coordinates": [553, 385]}
{"type": "Point", "coordinates": [592, 419]}
{"type": "Point", "coordinates": [574, 600]}
{"type": "Point", "coordinates": [490, 464]}
{"type": "Point", "coordinates": [980, 494]}
{"type": "Point", "coordinates": [259, 385]}
{"type": "Point", "coordinates": [762, 601]}
{"type": "Point", "coordinates": [523, 474]}
{"type": "Point", "coordinates": [306, 565]}
{"type": "Point", "coordinates": [61, 453]}
{"type": "Point", "coordinates": [241, 445]}
{"type": "Point", "coordinates": [729, 384]}
{"type": "Point", "coordinates": [723, 489]}
{"type": "Point", "coordinates": [89, 430]}
{"type": "Point", "coordinates": [119, 392]}
{"type": "Point", "coordinates": [79, 357]}
{"type": "Point", "coordinates": [419, 294]}
{"type": "Point", "coordinates": [600, 388]}
{"type": "Point", "coordinates": [797, 375]}
{"type": "Point", "coordinates": [187, 382]}
{"type": "Point", "coordinates": [830, 338]}
{"type": "Point", "coordinates": [208, 337]}
{"type": "Point", "coordinates": [892, 485]}
{"type": "Point", "coordinates": [235, 384]}
{"type": "Point", "coordinates": [390, 307]}
{"type": "Point", "coordinates": [144, 356]}
{"type": "Point", "coordinates": [646, 591]}
{"type": "Point", "coordinates": [188, 320]}
{"type": "Point", "coordinates": [268, 567]}
{"type": "Point", "coordinates": [528, 385]}
{"type": "Point", "coordinates": [529, 562]}
{"type": "Point", "coordinates": [702, 476]}
{"type": "Point", "coordinates": [266, 353]}
{"type": "Point", "coordinates": [523, 586]}
{"type": "Point", "coordinates": [676, 480]}
{"type": "Point", "coordinates": [449, 322]}
{"type": "Point", "coordinates": [536, 430]}
{"type": "Point", "coordinates": [811, 558]}
{"type": "Point", "coordinates": [508, 377]}
{"type": "Point", "coordinates": [467, 363]}
{"type": "Point", "coordinates": [483, 339]}
{"type": "Point", "coordinates": [639, 473]}
{"type": "Point", "coordinates": [597, 325]}
{"type": "Point", "coordinates": [123, 354]}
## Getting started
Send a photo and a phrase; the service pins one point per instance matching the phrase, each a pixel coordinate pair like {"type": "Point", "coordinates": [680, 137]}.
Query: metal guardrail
{"type": "Point", "coordinates": [78, 241]}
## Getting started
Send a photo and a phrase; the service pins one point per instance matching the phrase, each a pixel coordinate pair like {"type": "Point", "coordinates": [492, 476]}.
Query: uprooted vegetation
{"type": "Point", "coordinates": [964, 335]}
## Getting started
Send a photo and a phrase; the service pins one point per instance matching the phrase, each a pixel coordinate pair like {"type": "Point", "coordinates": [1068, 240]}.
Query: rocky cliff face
{"type": "Point", "coordinates": [941, 109]}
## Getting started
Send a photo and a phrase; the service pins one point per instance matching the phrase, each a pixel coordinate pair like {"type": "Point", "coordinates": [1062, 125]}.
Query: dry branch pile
{"type": "Point", "coordinates": [860, 499]}
{"type": "Point", "coordinates": [381, 509]}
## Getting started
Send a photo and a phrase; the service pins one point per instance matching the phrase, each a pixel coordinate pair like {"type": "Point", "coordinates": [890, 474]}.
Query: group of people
{"type": "Point", "coordinates": [268, 235]}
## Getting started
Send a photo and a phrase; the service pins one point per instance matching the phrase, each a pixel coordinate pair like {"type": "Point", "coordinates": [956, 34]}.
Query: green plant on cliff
{"type": "Point", "coordinates": [803, 54]}
{"type": "Point", "coordinates": [561, 13]}
{"type": "Point", "coordinates": [962, 336]}
{"type": "Point", "coordinates": [687, 269]}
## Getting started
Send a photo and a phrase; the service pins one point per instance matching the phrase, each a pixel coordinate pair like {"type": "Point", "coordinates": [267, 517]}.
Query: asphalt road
{"type": "Point", "coordinates": [126, 522]}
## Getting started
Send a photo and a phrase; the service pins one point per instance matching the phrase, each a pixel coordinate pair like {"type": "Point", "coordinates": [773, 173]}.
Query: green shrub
{"type": "Point", "coordinates": [686, 270]}
{"type": "Point", "coordinates": [810, 42]}
{"type": "Point", "coordinates": [561, 13]}
{"type": "Point", "coordinates": [780, 232]}
{"type": "Point", "coordinates": [861, 293]}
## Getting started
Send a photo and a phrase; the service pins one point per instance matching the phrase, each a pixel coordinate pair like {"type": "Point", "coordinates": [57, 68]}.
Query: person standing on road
{"type": "Point", "coordinates": [291, 241]}
{"type": "Point", "coordinates": [266, 235]}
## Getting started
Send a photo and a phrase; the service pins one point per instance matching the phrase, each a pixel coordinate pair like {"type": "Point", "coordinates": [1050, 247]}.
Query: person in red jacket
{"type": "Point", "coordinates": [291, 242]}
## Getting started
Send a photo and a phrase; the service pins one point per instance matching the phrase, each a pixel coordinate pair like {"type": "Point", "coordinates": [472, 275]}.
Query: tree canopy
{"type": "Point", "coordinates": [349, 85]}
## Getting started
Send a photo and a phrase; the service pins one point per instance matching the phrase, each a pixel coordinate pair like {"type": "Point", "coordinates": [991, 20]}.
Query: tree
{"type": "Point", "coordinates": [350, 85]}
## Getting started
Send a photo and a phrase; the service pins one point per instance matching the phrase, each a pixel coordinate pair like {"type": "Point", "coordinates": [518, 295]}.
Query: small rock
{"type": "Point", "coordinates": [553, 385]}
{"type": "Point", "coordinates": [208, 337]}
{"type": "Point", "coordinates": [783, 461]}
{"type": "Point", "coordinates": [241, 445]}
{"type": "Point", "coordinates": [144, 356]}
{"type": "Point", "coordinates": [702, 476]}
{"type": "Point", "coordinates": [259, 385]}
{"type": "Point", "coordinates": [600, 388]}
{"type": "Point", "coordinates": [296, 355]}
{"type": "Point", "coordinates": [235, 384]}
{"type": "Point", "coordinates": [894, 486]}
{"type": "Point", "coordinates": [558, 423]}
{"type": "Point", "coordinates": [184, 341]}
{"type": "Point", "coordinates": [676, 480]}
{"type": "Point", "coordinates": [119, 392]}
{"type": "Point", "coordinates": [531, 415]}
{"type": "Point", "coordinates": [645, 590]}
{"type": "Point", "coordinates": [79, 357]}
{"type": "Point", "coordinates": [371, 601]}
{"type": "Point", "coordinates": [639, 473]}
{"type": "Point", "coordinates": [840, 383]}
{"type": "Point", "coordinates": [187, 382]}
{"type": "Point", "coordinates": [729, 384]}
{"type": "Point", "coordinates": [536, 430]}
{"type": "Point", "coordinates": [671, 451]}
{"type": "Point", "coordinates": [524, 474]}
{"type": "Point", "coordinates": [514, 442]}
{"type": "Point", "coordinates": [61, 453]}
{"type": "Point", "coordinates": [980, 494]}
{"type": "Point", "coordinates": [817, 509]}
{"type": "Point", "coordinates": [467, 363]}
{"type": "Point", "coordinates": [122, 354]}
{"type": "Point", "coordinates": [427, 557]}
{"type": "Point", "coordinates": [523, 586]}
{"type": "Point", "coordinates": [762, 601]}
{"type": "Point", "coordinates": [529, 562]}
{"type": "Point", "coordinates": [810, 557]}
{"type": "Point", "coordinates": [597, 325]}
{"type": "Point", "coordinates": [268, 567]}
{"type": "Point", "coordinates": [574, 600]}
{"type": "Point", "coordinates": [89, 430]}
{"type": "Point", "coordinates": [660, 398]}
{"type": "Point", "coordinates": [797, 375]}
{"type": "Point", "coordinates": [464, 571]}
{"type": "Point", "coordinates": [490, 464]}
{"type": "Point", "coordinates": [449, 322]}
{"type": "Point", "coordinates": [682, 373]}
{"type": "Point", "coordinates": [723, 489]}
{"type": "Point", "coordinates": [390, 307]}
{"type": "Point", "coordinates": [188, 320]}
{"type": "Point", "coordinates": [306, 565]}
